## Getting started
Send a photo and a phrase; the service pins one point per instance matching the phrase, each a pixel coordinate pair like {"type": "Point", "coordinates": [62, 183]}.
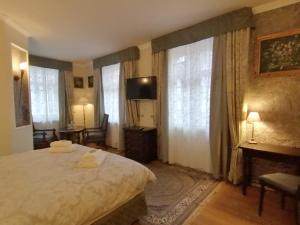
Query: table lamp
{"type": "Point", "coordinates": [253, 117]}
{"type": "Point", "coordinates": [83, 101]}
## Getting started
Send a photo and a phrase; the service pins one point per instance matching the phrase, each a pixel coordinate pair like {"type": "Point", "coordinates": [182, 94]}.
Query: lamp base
{"type": "Point", "coordinates": [251, 141]}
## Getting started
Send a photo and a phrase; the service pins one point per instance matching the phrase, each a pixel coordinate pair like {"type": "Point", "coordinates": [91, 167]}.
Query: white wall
{"type": "Point", "coordinates": [12, 139]}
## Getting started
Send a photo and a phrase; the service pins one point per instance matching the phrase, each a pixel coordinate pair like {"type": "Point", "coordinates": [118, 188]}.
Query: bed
{"type": "Point", "coordinates": [42, 188]}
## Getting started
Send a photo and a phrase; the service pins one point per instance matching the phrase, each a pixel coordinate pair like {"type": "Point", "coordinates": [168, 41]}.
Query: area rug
{"type": "Point", "coordinates": [175, 194]}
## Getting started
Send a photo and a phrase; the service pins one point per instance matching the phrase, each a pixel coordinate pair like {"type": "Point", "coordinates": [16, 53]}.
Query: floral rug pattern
{"type": "Point", "coordinates": [177, 192]}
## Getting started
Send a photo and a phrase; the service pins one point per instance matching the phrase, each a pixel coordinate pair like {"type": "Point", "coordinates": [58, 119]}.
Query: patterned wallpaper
{"type": "Point", "coordinates": [276, 98]}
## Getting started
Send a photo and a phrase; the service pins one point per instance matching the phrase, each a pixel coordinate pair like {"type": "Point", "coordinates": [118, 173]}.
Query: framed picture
{"type": "Point", "coordinates": [90, 81]}
{"type": "Point", "coordinates": [278, 54]}
{"type": "Point", "coordinates": [78, 82]}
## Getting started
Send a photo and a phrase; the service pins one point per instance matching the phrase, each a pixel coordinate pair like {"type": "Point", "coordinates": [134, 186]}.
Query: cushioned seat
{"type": "Point", "coordinates": [98, 134]}
{"type": "Point", "coordinates": [43, 137]}
{"type": "Point", "coordinates": [285, 182]}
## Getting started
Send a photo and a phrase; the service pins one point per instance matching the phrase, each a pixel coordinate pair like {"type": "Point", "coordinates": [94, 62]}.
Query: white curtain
{"type": "Point", "coordinates": [44, 85]}
{"type": "Point", "coordinates": [189, 81]}
{"type": "Point", "coordinates": [110, 81]}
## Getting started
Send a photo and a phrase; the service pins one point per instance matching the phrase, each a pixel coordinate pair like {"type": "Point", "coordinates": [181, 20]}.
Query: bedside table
{"type": "Point", "coordinates": [140, 143]}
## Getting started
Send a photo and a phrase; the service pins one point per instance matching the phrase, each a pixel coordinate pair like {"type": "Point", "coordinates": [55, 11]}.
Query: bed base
{"type": "Point", "coordinates": [127, 214]}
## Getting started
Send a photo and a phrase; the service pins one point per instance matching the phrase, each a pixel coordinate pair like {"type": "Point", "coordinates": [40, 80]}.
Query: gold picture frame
{"type": "Point", "coordinates": [278, 54]}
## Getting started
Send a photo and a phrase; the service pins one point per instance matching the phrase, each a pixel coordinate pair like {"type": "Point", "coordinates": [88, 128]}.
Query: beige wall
{"type": "Point", "coordinates": [6, 96]}
{"type": "Point", "coordinates": [146, 107]}
{"type": "Point", "coordinates": [275, 98]}
{"type": "Point", "coordinates": [83, 69]}
{"type": "Point", "coordinates": [12, 139]}
{"type": "Point", "coordinates": [22, 135]}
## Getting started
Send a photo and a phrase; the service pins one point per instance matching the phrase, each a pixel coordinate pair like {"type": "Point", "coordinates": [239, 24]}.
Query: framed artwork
{"type": "Point", "coordinates": [278, 54]}
{"type": "Point", "coordinates": [90, 81]}
{"type": "Point", "coordinates": [78, 82]}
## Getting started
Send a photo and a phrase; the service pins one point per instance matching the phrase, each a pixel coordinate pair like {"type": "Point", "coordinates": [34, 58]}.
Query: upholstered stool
{"type": "Point", "coordinates": [285, 183]}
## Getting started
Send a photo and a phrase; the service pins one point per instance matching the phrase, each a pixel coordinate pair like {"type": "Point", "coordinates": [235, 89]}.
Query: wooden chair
{"type": "Point", "coordinates": [43, 137]}
{"type": "Point", "coordinates": [97, 135]}
{"type": "Point", "coordinates": [288, 185]}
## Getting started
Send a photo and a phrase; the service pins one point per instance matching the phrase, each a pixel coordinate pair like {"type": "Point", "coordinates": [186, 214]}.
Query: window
{"type": "Point", "coordinates": [110, 81]}
{"type": "Point", "coordinates": [189, 78]}
{"type": "Point", "coordinates": [44, 96]}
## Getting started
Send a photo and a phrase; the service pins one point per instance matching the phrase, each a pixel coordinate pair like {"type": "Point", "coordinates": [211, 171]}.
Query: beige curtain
{"type": "Point", "coordinates": [65, 98]}
{"type": "Point", "coordinates": [230, 68]}
{"type": "Point", "coordinates": [219, 127]}
{"type": "Point", "coordinates": [128, 109]}
{"type": "Point", "coordinates": [98, 97]}
{"type": "Point", "coordinates": [159, 69]}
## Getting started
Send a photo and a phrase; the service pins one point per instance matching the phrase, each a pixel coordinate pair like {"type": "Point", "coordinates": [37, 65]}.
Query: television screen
{"type": "Point", "coordinates": [141, 88]}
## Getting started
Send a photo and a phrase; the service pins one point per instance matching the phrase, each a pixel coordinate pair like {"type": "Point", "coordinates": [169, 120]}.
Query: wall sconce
{"type": "Point", "coordinates": [145, 80]}
{"type": "Point", "coordinates": [22, 67]}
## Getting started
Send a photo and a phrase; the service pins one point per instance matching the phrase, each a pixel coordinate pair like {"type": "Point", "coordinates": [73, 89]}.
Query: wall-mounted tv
{"type": "Point", "coordinates": [141, 88]}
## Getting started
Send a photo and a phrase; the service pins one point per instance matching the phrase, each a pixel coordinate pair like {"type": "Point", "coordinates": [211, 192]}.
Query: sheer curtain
{"type": "Point", "coordinates": [44, 85]}
{"type": "Point", "coordinates": [110, 81]}
{"type": "Point", "coordinates": [189, 81]}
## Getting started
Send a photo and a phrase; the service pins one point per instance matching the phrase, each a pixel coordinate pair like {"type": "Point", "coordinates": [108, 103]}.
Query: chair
{"type": "Point", "coordinates": [43, 137]}
{"type": "Point", "coordinates": [97, 135]}
{"type": "Point", "coordinates": [288, 185]}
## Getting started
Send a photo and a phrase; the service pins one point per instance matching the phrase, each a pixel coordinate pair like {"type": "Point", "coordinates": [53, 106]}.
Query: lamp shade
{"type": "Point", "coordinates": [83, 101]}
{"type": "Point", "coordinates": [23, 65]}
{"type": "Point", "coordinates": [253, 117]}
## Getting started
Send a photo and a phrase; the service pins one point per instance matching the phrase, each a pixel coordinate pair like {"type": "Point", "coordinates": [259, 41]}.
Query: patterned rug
{"type": "Point", "coordinates": [177, 192]}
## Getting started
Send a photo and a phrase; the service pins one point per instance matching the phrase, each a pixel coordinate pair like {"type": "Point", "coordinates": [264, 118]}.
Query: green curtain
{"type": "Point", "coordinates": [98, 97]}
{"type": "Point", "coordinates": [65, 98]}
{"type": "Point", "coordinates": [229, 22]}
{"type": "Point", "coordinates": [128, 109]}
{"type": "Point", "coordinates": [159, 69]}
{"type": "Point", "coordinates": [227, 125]}
{"type": "Point", "coordinates": [128, 54]}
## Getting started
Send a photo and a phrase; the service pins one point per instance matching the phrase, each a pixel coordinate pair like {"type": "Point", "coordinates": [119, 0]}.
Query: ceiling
{"type": "Point", "coordinates": [80, 30]}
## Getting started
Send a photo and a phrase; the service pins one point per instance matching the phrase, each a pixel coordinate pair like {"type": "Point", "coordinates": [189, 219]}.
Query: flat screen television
{"type": "Point", "coordinates": [141, 88]}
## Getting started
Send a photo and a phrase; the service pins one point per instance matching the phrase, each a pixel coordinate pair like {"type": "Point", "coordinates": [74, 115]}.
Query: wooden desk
{"type": "Point", "coordinates": [72, 134]}
{"type": "Point", "coordinates": [290, 155]}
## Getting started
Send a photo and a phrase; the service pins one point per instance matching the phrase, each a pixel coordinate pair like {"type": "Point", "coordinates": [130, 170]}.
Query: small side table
{"type": "Point", "coordinates": [140, 143]}
{"type": "Point", "coordinates": [72, 134]}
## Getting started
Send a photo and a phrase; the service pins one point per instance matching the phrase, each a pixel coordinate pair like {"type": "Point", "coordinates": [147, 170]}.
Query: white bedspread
{"type": "Point", "coordinates": [42, 188]}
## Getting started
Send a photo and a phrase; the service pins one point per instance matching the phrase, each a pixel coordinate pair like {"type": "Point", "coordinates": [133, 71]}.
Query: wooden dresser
{"type": "Point", "coordinates": [140, 143]}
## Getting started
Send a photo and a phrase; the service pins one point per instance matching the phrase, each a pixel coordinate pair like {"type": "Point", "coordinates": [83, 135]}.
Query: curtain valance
{"type": "Point", "coordinates": [49, 63]}
{"type": "Point", "coordinates": [132, 53]}
{"type": "Point", "coordinates": [232, 21]}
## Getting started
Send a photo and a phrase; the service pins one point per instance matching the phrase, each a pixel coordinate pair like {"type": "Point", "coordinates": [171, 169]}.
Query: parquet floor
{"type": "Point", "coordinates": [227, 206]}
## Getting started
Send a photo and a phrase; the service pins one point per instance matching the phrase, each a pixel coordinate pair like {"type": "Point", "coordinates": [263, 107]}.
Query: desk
{"type": "Point", "coordinates": [289, 155]}
{"type": "Point", "coordinates": [71, 134]}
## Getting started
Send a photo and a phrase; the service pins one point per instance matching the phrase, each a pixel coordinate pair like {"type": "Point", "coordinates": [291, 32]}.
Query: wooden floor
{"type": "Point", "coordinates": [227, 206]}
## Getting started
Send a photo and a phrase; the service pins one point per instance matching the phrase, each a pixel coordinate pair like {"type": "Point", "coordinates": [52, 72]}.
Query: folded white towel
{"type": "Point", "coordinates": [92, 159]}
{"type": "Point", "coordinates": [66, 149]}
{"type": "Point", "coordinates": [61, 143]}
